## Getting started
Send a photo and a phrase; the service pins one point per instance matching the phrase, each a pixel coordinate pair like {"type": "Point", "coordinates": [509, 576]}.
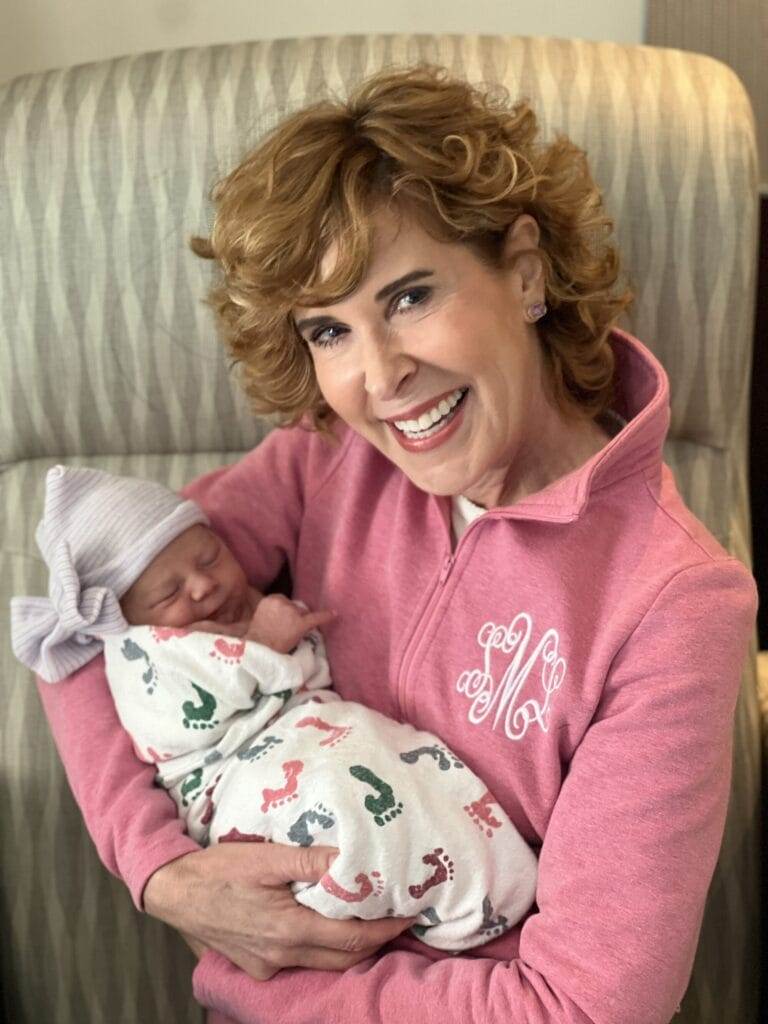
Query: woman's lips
{"type": "Point", "coordinates": [435, 440]}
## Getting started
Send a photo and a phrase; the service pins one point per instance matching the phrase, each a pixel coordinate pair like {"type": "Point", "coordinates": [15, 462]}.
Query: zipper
{"type": "Point", "coordinates": [419, 631]}
{"type": "Point", "coordinates": [421, 626]}
{"type": "Point", "coordinates": [446, 570]}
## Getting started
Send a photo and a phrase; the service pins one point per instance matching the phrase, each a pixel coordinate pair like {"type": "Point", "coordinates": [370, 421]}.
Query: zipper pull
{"type": "Point", "coordinates": [447, 566]}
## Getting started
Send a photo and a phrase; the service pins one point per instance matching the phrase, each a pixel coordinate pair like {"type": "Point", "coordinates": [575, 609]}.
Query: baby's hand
{"type": "Point", "coordinates": [235, 629]}
{"type": "Point", "coordinates": [279, 624]}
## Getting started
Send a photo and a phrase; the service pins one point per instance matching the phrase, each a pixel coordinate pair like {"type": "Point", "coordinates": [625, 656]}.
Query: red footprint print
{"type": "Point", "coordinates": [480, 812]}
{"type": "Point", "coordinates": [235, 836]}
{"type": "Point", "coordinates": [366, 887]}
{"type": "Point", "coordinates": [443, 866]}
{"type": "Point", "coordinates": [158, 758]}
{"type": "Point", "coordinates": [207, 815]}
{"type": "Point", "coordinates": [336, 733]}
{"type": "Point", "coordinates": [275, 797]}
{"type": "Point", "coordinates": [229, 651]}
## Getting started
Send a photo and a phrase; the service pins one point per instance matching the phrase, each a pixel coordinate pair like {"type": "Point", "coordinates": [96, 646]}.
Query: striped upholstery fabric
{"type": "Point", "coordinates": [108, 359]}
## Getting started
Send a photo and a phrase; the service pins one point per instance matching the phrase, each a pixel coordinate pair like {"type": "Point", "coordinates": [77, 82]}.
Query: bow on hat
{"type": "Point", "coordinates": [97, 535]}
{"type": "Point", "coordinates": [56, 635]}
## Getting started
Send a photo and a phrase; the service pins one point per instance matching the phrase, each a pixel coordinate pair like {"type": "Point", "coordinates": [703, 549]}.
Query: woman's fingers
{"type": "Point", "coordinates": [236, 898]}
{"type": "Point", "coordinates": [312, 959]}
{"type": "Point", "coordinates": [352, 936]}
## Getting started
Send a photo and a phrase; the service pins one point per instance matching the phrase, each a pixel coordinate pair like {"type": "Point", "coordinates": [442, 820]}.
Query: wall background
{"type": "Point", "coordinates": [41, 34]}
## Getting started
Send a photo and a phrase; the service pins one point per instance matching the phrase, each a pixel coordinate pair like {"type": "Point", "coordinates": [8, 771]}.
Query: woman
{"type": "Point", "coordinates": [485, 505]}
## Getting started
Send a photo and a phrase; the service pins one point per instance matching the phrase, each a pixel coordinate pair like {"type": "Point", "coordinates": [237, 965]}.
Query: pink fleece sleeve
{"type": "Point", "coordinates": [133, 824]}
{"type": "Point", "coordinates": [256, 504]}
{"type": "Point", "coordinates": [625, 864]}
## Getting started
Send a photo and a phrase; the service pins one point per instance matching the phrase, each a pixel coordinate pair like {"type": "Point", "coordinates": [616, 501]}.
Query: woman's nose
{"type": "Point", "coordinates": [387, 367]}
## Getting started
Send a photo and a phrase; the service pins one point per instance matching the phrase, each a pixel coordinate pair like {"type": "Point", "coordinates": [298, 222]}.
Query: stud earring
{"type": "Point", "coordinates": [536, 312]}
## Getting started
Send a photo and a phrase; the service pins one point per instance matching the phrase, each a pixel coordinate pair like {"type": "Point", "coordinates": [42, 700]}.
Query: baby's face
{"type": "Point", "coordinates": [196, 577]}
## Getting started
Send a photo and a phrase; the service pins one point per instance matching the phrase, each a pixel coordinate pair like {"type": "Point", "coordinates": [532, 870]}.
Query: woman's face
{"type": "Point", "coordinates": [431, 358]}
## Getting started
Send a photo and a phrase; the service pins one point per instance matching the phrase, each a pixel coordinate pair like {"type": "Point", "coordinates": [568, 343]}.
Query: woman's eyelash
{"type": "Point", "coordinates": [316, 336]}
{"type": "Point", "coordinates": [422, 292]}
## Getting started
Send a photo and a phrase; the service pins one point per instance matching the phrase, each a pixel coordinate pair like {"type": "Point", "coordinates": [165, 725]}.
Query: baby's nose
{"type": "Point", "coordinates": [200, 585]}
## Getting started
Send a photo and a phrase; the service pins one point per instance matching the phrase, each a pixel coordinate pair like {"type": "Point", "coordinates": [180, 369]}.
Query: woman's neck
{"type": "Point", "coordinates": [555, 446]}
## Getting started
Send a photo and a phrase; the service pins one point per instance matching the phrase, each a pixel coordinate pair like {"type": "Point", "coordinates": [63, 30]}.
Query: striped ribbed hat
{"type": "Point", "coordinates": [98, 533]}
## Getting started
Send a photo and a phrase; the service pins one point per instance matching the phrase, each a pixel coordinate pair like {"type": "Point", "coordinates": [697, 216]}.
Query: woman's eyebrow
{"type": "Point", "coordinates": [383, 293]}
{"type": "Point", "coordinates": [415, 275]}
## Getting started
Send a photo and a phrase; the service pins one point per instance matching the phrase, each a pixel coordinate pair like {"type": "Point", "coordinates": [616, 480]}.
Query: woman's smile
{"type": "Point", "coordinates": [434, 426]}
{"type": "Point", "coordinates": [443, 375]}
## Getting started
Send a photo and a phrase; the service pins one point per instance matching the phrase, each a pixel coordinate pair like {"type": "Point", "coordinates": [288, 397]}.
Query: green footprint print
{"type": "Point", "coordinates": [191, 785]}
{"type": "Point", "coordinates": [420, 930]}
{"type": "Point", "coordinates": [132, 652]}
{"type": "Point", "coordinates": [199, 716]}
{"type": "Point", "coordinates": [443, 758]}
{"type": "Point", "coordinates": [383, 807]}
{"type": "Point", "coordinates": [259, 750]}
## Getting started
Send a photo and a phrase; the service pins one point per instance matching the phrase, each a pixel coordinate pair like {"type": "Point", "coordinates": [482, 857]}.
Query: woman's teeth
{"type": "Point", "coordinates": [433, 419]}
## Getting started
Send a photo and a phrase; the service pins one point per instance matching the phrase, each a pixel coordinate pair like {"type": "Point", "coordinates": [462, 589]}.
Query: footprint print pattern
{"type": "Point", "coordinates": [318, 815]}
{"type": "Point", "coordinates": [490, 926]}
{"type": "Point", "coordinates": [157, 758]}
{"type": "Point", "coordinates": [480, 812]}
{"type": "Point", "coordinates": [260, 749]}
{"type": "Point", "coordinates": [132, 652]}
{"type": "Point", "coordinates": [419, 930]}
{"type": "Point", "coordinates": [372, 884]}
{"type": "Point", "coordinates": [229, 651]}
{"type": "Point", "coordinates": [443, 872]}
{"type": "Point", "coordinates": [277, 797]}
{"type": "Point", "coordinates": [207, 816]}
{"type": "Point", "coordinates": [236, 836]}
{"type": "Point", "coordinates": [335, 733]}
{"type": "Point", "coordinates": [200, 716]}
{"type": "Point", "coordinates": [383, 807]}
{"type": "Point", "coordinates": [444, 758]}
{"type": "Point", "coordinates": [191, 785]}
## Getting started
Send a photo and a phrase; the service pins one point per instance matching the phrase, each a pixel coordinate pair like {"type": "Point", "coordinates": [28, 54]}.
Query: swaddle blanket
{"type": "Point", "coordinates": [254, 747]}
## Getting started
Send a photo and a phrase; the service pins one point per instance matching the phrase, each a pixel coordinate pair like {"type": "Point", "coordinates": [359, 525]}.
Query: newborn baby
{"type": "Point", "coordinates": [227, 692]}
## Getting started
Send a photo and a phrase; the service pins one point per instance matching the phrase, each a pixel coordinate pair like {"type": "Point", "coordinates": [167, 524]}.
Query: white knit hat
{"type": "Point", "coordinates": [98, 534]}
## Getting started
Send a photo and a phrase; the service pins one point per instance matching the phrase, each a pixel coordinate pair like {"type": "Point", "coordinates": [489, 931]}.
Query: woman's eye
{"type": "Point", "coordinates": [322, 339]}
{"type": "Point", "coordinates": [417, 295]}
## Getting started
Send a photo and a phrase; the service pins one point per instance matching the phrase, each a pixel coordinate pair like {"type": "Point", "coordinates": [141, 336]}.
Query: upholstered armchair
{"type": "Point", "coordinates": [108, 358]}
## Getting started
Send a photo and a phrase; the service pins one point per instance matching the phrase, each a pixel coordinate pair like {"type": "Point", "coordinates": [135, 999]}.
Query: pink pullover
{"type": "Point", "coordinates": [580, 650]}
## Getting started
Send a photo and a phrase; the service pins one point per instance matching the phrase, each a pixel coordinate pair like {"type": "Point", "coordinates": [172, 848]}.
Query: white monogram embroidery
{"type": "Point", "coordinates": [479, 686]}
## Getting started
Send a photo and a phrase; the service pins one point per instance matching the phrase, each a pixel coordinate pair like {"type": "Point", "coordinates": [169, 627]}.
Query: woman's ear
{"type": "Point", "coordinates": [520, 255]}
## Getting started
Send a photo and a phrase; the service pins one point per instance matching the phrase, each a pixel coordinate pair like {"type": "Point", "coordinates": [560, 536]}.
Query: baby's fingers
{"type": "Point", "coordinates": [312, 620]}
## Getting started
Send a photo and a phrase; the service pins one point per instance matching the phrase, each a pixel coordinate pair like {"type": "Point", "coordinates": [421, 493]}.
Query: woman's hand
{"type": "Point", "coordinates": [235, 898]}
